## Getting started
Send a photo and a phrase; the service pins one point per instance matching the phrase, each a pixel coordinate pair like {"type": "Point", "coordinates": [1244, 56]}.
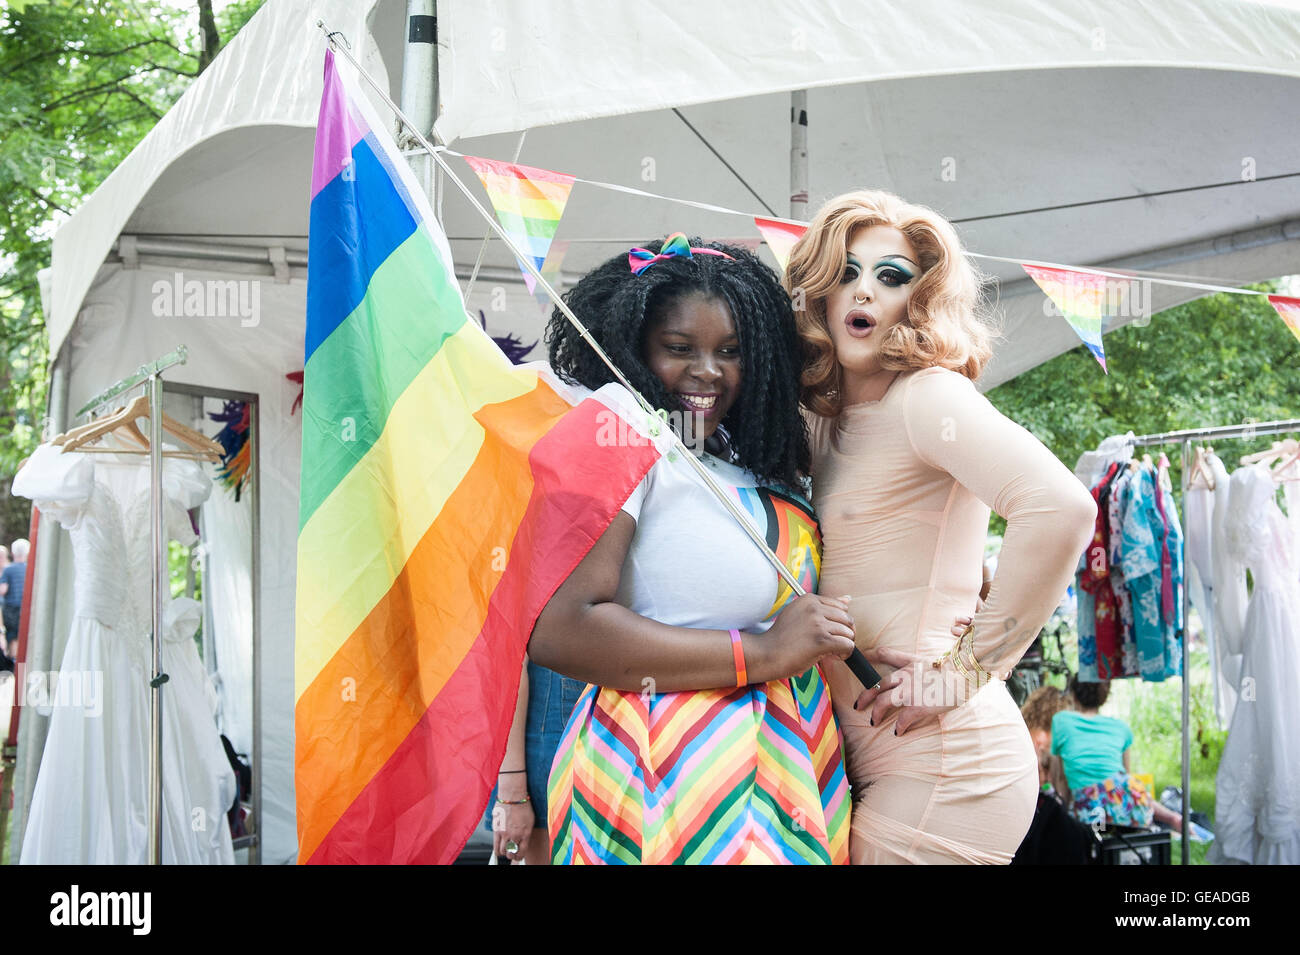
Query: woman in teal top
{"type": "Point", "coordinates": [1093, 750]}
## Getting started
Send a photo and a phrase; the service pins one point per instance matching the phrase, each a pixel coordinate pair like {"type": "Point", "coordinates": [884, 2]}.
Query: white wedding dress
{"type": "Point", "coordinates": [90, 803]}
{"type": "Point", "coordinates": [1230, 596]}
{"type": "Point", "coordinates": [1257, 819]}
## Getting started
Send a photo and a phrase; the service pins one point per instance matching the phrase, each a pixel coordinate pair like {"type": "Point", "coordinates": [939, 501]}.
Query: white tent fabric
{"type": "Point", "coordinates": [510, 66]}
{"type": "Point", "coordinates": [1109, 133]}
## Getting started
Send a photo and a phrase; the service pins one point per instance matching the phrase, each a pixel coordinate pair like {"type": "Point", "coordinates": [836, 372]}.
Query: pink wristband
{"type": "Point", "coordinates": [738, 652]}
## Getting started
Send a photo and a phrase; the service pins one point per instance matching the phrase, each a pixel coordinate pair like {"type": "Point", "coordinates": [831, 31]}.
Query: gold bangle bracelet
{"type": "Point", "coordinates": [951, 651]}
{"type": "Point", "coordinates": [969, 640]}
{"type": "Point", "coordinates": [974, 660]}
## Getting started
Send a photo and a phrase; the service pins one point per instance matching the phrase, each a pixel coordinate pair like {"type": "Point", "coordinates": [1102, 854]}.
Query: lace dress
{"type": "Point", "coordinates": [1258, 799]}
{"type": "Point", "coordinates": [90, 803]}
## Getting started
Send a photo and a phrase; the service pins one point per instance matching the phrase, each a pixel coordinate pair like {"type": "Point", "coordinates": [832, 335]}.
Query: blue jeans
{"type": "Point", "coordinates": [551, 699]}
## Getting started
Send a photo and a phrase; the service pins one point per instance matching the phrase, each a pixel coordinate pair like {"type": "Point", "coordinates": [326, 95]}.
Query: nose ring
{"type": "Point", "coordinates": [860, 299]}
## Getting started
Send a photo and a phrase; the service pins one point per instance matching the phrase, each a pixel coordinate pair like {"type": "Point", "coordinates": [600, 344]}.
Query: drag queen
{"type": "Point", "coordinates": [908, 457]}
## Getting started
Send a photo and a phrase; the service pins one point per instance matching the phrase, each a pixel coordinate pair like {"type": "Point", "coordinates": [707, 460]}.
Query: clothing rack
{"type": "Point", "coordinates": [1185, 438]}
{"type": "Point", "coordinates": [151, 376]}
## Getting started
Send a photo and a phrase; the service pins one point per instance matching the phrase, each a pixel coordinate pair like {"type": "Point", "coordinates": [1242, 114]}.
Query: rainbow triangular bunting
{"type": "Point", "coordinates": [780, 237]}
{"type": "Point", "coordinates": [1288, 309]}
{"type": "Point", "coordinates": [551, 272]}
{"type": "Point", "coordinates": [529, 203]}
{"type": "Point", "coordinates": [1081, 297]}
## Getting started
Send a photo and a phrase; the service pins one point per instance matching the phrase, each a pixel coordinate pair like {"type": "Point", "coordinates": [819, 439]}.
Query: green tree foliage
{"type": "Point", "coordinates": [1220, 360]}
{"type": "Point", "coordinates": [81, 83]}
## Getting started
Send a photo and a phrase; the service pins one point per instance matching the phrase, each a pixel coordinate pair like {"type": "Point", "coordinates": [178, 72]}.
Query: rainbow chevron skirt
{"type": "Point", "coordinates": [746, 775]}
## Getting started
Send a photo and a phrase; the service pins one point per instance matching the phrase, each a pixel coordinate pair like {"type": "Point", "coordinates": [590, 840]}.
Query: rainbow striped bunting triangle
{"type": "Point", "coordinates": [529, 203]}
{"type": "Point", "coordinates": [1081, 298]}
{"type": "Point", "coordinates": [1288, 309]}
{"type": "Point", "coordinates": [444, 495]}
{"type": "Point", "coordinates": [780, 237]}
{"type": "Point", "coordinates": [551, 272]}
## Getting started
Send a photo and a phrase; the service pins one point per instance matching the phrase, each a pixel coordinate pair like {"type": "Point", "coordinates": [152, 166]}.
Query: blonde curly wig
{"type": "Point", "coordinates": [941, 328]}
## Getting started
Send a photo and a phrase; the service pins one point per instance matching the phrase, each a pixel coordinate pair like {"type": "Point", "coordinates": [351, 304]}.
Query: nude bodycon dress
{"type": "Point", "coordinates": [903, 488]}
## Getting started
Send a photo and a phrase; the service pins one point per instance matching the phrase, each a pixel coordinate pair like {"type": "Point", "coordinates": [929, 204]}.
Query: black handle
{"type": "Point", "coordinates": [867, 676]}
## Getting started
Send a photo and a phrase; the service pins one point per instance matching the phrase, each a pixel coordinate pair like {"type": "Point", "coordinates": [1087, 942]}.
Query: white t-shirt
{"type": "Point", "coordinates": [692, 565]}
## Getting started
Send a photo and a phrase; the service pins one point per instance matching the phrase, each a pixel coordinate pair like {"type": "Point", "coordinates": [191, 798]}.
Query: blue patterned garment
{"type": "Point", "coordinates": [1173, 626]}
{"type": "Point", "coordinates": [1156, 633]}
{"type": "Point", "coordinates": [1087, 609]}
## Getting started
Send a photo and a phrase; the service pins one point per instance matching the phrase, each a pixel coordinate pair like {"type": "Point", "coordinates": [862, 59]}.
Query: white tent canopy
{"type": "Point", "coordinates": [1109, 133]}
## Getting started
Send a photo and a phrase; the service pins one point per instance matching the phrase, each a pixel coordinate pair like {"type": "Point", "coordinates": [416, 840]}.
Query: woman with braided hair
{"type": "Point", "coordinates": [706, 735]}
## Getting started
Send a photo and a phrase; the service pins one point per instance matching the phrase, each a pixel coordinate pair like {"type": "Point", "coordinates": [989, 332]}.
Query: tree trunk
{"type": "Point", "coordinates": [208, 36]}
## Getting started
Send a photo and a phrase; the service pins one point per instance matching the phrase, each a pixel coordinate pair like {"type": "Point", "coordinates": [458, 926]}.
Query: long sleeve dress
{"type": "Point", "coordinates": [903, 487]}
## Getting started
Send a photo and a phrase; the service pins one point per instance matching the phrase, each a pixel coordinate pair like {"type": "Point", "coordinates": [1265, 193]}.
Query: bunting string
{"type": "Point", "coordinates": [1159, 278]}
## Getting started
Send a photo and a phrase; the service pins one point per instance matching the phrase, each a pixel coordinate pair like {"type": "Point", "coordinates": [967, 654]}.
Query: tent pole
{"type": "Point", "coordinates": [419, 68]}
{"type": "Point", "coordinates": [420, 85]}
{"type": "Point", "coordinates": [799, 155]}
{"type": "Point", "coordinates": [435, 174]}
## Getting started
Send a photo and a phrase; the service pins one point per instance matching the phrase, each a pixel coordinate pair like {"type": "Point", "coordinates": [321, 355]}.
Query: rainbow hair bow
{"type": "Point", "coordinates": [641, 259]}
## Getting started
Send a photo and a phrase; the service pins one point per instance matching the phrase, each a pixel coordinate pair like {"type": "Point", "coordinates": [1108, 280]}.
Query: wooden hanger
{"type": "Point", "coordinates": [125, 423]}
{"type": "Point", "coordinates": [1201, 470]}
{"type": "Point", "coordinates": [1287, 446]}
{"type": "Point", "coordinates": [1279, 473]}
{"type": "Point", "coordinates": [129, 430]}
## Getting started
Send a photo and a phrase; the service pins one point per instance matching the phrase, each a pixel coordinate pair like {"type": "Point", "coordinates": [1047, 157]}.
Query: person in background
{"type": "Point", "coordinates": [6, 664]}
{"type": "Point", "coordinates": [517, 810]}
{"type": "Point", "coordinates": [12, 580]}
{"type": "Point", "coordinates": [1043, 704]}
{"type": "Point", "coordinates": [1093, 752]}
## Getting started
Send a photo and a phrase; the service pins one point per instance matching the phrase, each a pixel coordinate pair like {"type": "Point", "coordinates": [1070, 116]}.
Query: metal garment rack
{"type": "Point", "coordinates": [151, 376]}
{"type": "Point", "coordinates": [1185, 438]}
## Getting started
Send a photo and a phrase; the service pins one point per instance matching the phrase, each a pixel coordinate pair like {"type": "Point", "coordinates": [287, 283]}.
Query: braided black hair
{"type": "Point", "coordinates": [767, 432]}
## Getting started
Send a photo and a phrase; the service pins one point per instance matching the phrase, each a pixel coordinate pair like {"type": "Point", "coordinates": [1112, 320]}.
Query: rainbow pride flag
{"type": "Point", "coordinates": [1081, 297]}
{"type": "Point", "coordinates": [529, 203]}
{"type": "Point", "coordinates": [445, 495]}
